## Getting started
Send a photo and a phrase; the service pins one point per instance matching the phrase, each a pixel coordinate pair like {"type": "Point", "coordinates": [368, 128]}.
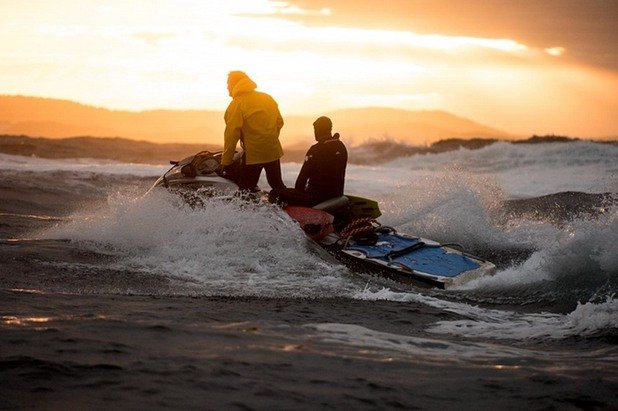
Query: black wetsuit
{"type": "Point", "coordinates": [321, 177]}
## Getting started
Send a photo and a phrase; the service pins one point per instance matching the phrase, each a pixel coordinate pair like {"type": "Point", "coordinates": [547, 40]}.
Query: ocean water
{"type": "Point", "coordinates": [113, 299]}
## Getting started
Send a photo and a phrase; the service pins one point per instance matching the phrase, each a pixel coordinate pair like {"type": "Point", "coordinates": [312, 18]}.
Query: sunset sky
{"type": "Point", "coordinates": [524, 67]}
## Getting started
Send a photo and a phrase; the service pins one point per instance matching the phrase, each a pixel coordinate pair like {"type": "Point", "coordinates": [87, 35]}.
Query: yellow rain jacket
{"type": "Point", "coordinates": [253, 118]}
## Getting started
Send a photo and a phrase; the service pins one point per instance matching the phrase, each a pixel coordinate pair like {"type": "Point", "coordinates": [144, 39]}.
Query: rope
{"type": "Point", "coordinates": [358, 226]}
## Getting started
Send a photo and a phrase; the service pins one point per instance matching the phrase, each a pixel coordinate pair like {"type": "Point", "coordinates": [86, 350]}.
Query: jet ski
{"type": "Point", "coordinates": [346, 227]}
{"type": "Point", "coordinates": [201, 171]}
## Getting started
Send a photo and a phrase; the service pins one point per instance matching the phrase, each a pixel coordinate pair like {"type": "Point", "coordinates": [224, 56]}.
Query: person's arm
{"type": "Point", "coordinates": [344, 152]}
{"type": "Point", "coordinates": [303, 176]}
{"type": "Point", "coordinates": [279, 120]}
{"type": "Point", "coordinates": [305, 171]}
{"type": "Point", "coordinates": [233, 129]}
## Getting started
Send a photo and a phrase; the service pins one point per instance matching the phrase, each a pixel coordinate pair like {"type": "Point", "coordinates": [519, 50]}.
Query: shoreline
{"type": "Point", "coordinates": [143, 152]}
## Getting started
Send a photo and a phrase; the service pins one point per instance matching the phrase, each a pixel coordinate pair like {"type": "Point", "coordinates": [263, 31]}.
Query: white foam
{"type": "Point", "coordinates": [448, 197]}
{"type": "Point", "coordinates": [586, 320]}
{"type": "Point", "coordinates": [584, 247]}
{"type": "Point", "coordinates": [226, 248]}
{"type": "Point", "coordinates": [448, 206]}
{"type": "Point", "coordinates": [527, 170]}
{"type": "Point", "coordinates": [421, 349]}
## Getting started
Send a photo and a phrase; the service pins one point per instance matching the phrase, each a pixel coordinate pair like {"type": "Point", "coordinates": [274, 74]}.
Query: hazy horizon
{"type": "Point", "coordinates": [54, 118]}
{"type": "Point", "coordinates": [506, 134]}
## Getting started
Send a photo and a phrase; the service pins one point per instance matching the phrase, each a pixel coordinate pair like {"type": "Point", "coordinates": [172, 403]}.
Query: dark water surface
{"type": "Point", "coordinates": [116, 324]}
{"type": "Point", "coordinates": [102, 351]}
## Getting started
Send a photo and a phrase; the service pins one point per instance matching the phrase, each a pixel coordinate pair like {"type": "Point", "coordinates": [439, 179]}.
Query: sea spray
{"type": "Point", "coordinates": [581, 255]}
{"type": "Point", "coordinates": [526, 170]}
{"type": "Point", "coordinates": [225, 248]}
{"type": "Point", "coordinates": [449, 206]}
{"type": "Point", "coordinates": [587, 320]}
{"type": "Point", "coordinates": [594, 319]}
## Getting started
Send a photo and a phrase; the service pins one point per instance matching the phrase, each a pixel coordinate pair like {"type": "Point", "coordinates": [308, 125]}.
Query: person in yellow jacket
{"type": "Point", "coordinates": [253, 118]}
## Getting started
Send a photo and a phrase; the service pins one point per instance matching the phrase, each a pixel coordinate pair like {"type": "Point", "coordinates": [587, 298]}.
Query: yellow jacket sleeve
{"type": "Point", "coordinates": [279, 120]}
{"type": "Point", "coordinates": [233, 131]}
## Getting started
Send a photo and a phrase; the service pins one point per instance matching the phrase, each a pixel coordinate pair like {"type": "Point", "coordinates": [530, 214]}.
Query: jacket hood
{"type": "Point", "coordinates": [244, 85]}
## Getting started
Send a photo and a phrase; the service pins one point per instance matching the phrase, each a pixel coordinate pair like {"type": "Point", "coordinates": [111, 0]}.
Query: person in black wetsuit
{"type": "Point", "coordinates": [322, 175]}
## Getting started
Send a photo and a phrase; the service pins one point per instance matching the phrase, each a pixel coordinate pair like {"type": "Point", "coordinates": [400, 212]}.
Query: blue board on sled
{"type": "Point", "coordinates": [431, 259]}
{"type": "Point", "coordinates": [401, 257]}
{"type": "Point", "coordinates": [421, 259]}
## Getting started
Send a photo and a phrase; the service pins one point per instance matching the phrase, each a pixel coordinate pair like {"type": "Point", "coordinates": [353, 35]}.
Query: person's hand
{"type": "Point", "coordinates": [224, 170]}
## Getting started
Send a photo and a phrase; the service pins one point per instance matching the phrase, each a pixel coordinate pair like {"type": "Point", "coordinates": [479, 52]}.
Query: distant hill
{"type": "Point", "coordinates": [413, 127]}
{"type": "Point", "coordinates": [41, 117]}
